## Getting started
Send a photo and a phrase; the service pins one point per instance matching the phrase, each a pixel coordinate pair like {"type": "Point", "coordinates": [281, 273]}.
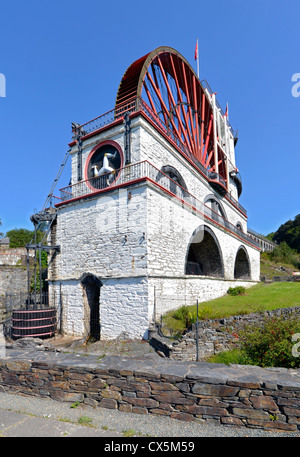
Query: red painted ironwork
{"type": "Point", "coordinates": [34, 323]}
{"type": "Point", "coordinates": [165, 80]}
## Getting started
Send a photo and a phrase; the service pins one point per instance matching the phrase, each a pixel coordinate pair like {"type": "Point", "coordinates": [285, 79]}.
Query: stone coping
{"type": "Point", "coordinates": [281, 378]}
{"type": "Point", "coordinates": [237, 395]}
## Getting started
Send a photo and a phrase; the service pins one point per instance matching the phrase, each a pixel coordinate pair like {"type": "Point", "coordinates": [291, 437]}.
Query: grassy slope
{"type": "Point", "coordinates": [269, 268]}
{"type": "Point", "coordinates": [260, 297]}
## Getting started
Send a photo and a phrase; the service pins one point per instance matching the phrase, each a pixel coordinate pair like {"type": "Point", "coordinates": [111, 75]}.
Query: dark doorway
{"type": "Point", "coordinates": [91, 290]}
{"type": "Point", "coordinates": [204, 256]}
{"type": "Point", "coordinates": [242, 265]}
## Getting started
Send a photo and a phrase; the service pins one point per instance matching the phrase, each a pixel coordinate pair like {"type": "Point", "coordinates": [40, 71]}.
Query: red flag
{"type": "Point", "coordinates": [196, 51]}
{"type": "Point", "coordinates": [226, 112]}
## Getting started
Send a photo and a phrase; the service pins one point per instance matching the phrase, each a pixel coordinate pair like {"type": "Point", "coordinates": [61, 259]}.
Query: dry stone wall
{"type": "Point", "coordinates": [215, 335]}
{"type": "Point", "coordinates": [232, 396]}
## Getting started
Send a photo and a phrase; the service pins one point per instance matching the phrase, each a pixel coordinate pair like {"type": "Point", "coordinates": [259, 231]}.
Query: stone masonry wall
{"type": "Point", "coordinates": [215, 335]}
{"type": "Point", "coordinates": [138, 232]}
{"type": "Point", "coordinates": [238, 396]}
{"type": "Point", "coordinates": [158, 151]}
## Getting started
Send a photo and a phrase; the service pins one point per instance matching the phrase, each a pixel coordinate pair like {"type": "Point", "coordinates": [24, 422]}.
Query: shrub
{"type": "Point", "coordinates": [188, 315]}
{"type": "Point", "coordinates": [271, 345]}
{"type": "Point", "coordinates": [283, 253]}
{"type": "Point", "coordinates": [239, 290]}
{"type": "Point", "coordinates": [184, 315]}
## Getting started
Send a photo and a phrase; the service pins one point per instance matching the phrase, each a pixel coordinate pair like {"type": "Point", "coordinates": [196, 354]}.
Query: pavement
{"type": "Point", "coordinates": [15, 424]}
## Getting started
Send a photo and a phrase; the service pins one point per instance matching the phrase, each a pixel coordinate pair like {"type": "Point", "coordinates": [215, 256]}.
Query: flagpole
{"type": "Point", "coordinates": [197, 59]}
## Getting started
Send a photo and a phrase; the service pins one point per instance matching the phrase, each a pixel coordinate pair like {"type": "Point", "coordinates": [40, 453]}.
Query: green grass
{"type": "Point", "coordinates": [230, 357]}
{"type": "Point", "coordinates": [129, 433]}
{"type": "Point", "coordinates": [271, 268]}
{"type": "Point", "coordinates": [85, 420]}
{"type": "Point", "coordinates": [258, 298]}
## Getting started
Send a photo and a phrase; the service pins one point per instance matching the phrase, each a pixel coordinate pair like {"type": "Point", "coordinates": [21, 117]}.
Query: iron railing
{"type": "Point", "coordinates": [107, 118]}
{"type": "Point", "coordinates": [138, 104]}
{"type": "Point", "coordinates": [146, 171]}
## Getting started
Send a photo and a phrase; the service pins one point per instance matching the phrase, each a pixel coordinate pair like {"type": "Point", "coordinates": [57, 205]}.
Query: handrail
{"type": "Point", "coordinates": [106, 118]}
{"type": "Point", "coordinates": [138, 104]}
{"type": "Point", "coordinates": [146, 171]}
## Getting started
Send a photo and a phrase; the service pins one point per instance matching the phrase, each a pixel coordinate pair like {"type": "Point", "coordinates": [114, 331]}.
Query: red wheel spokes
{"type": "Point", "coordinates": [169, 85]}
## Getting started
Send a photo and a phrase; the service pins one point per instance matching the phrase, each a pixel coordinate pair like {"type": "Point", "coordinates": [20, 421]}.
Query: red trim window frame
{"type": "Point", "coordinates": [95, 148]}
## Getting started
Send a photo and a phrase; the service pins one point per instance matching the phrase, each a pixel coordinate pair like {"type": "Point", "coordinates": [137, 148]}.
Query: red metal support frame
{"type": "Point", "coordinates": [157, 91]}
{"type": "Point", "coordinates": [172, 101]}
{"type": "Point", "coordinates": [191, 145]}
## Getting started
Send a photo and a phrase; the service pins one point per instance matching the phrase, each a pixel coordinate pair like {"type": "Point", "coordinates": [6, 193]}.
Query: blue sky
{"type": "Point", "coordinates": [63, 62]}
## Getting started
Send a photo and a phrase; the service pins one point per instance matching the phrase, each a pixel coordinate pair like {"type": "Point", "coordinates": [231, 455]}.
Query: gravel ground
{"type": "Point", "coordinates": [117, 421]}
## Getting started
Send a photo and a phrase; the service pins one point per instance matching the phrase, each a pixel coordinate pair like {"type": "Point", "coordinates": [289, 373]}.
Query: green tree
{"type": "Point", "coordinates": [283, 253]}
{"type": "Point", "coordinates": [289, 232]}
{"type": "Point", "coordinates": [18, 238]}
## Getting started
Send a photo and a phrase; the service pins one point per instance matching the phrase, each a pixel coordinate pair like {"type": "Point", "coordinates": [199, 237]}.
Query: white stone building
{"type": "Point", "coordinates": [151, 220]}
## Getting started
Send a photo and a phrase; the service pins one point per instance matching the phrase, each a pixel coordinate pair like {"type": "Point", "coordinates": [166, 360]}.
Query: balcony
{"type": "Point", "coordinates": [146, 172]}
{"type": "Point", "coordinates": [136, 106]}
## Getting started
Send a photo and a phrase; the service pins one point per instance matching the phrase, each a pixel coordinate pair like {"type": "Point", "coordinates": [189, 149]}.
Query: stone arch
{"type": "Point", "coordinates": [242, 268]}
{"type": "Point", "coordinates": [91, 305]}
{"type": "Point", "coordinates": [239, 226]}
{"type": "Point", "coordinates": [176, 184]}
{"type": "Point", "coordinates": [214, 209]}
{"type": "Point", "coordinates": [204, 256]}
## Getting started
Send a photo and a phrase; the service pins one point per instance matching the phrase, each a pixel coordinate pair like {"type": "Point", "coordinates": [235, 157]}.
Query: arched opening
{"type": "Point", "coordinates": [176, 184]}
{"type": "Point", "coordinates": [242, 264]}
{"type": "Point", "coordinates": [91, 301]}
{"type": "Point", "coordinates": [214, 209]}
{"type": "Point", "coordinates": [103, 165]}
{"type": "Point", "coordinates": [204, 256]}
{"type": "Point", "coordinates": [239, 226]}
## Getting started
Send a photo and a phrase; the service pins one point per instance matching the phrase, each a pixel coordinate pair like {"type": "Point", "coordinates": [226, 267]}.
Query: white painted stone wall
{"type": "Point", "coordinates": [172, 222]}
{"type": "Point", "coordinates": [135, 240]}
{"type": "Point", "coordinates": [170, 293]}
{"type": "Point", "coordinates": [130, 264]}
{"type": "Point", "coordinates": [148, 144]}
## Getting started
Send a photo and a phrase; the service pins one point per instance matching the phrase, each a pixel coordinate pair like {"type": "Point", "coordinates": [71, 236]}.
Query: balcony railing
{"type": "Point", "coordinates": [145, 171]}
{"type": "Point", "coordinates": [107, 118]}
{"type": "Point", "coordinates": [138, 104]}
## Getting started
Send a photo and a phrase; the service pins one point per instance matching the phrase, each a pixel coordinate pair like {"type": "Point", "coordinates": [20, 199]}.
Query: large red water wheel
{"type": "Point", "coordinates": [168, 84]}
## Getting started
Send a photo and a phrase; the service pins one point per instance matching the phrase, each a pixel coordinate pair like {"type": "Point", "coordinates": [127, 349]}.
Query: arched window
{"type": "Point", "coordinates": [204, 257]}
{"type": "Point", "coordinates": [214, 208]}
{"type": "Point", "coordinates": [242, 264]}
{"type": "Point", "coordinates": [176, 184]}
{"type": "Point", "coordinates": [239, 226]}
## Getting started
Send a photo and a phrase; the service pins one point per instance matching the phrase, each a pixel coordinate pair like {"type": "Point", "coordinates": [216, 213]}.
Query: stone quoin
{"type": "Point", "coordinates": [151, 219]}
